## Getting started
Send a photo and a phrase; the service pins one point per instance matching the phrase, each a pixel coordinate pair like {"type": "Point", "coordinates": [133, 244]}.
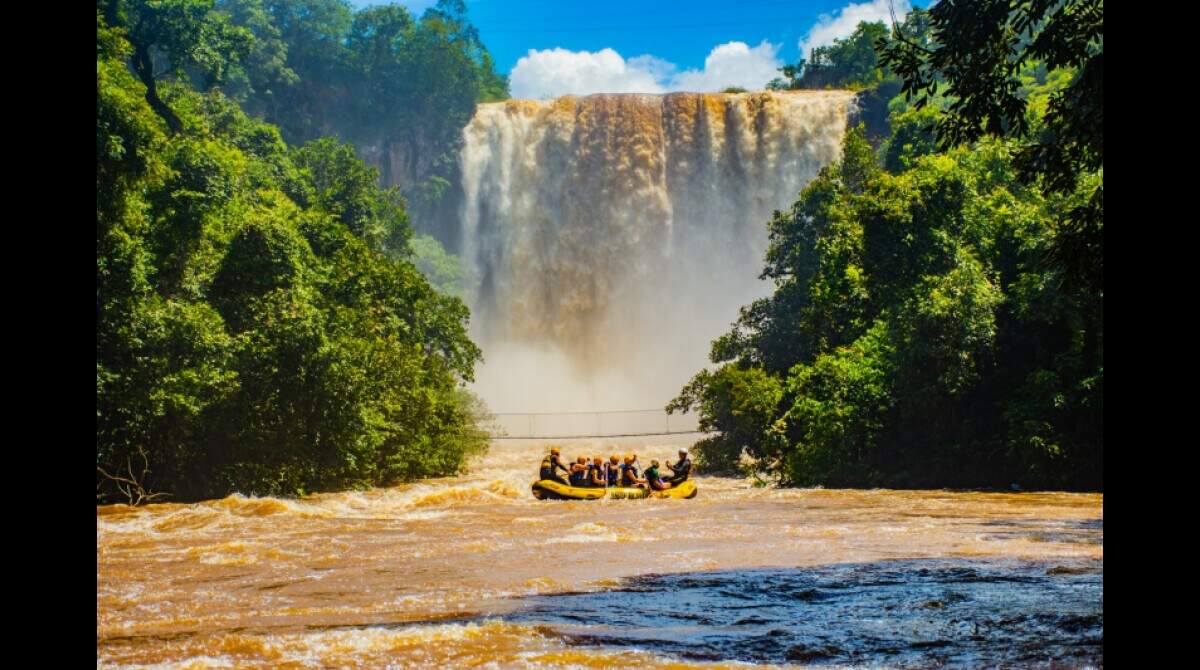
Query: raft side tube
{"type": "Point", "coordinates": [626, 492]}
{"type": "Point", "coordinates": [548, 489]}
{"type": "Point", "coordinates": [685, 490]}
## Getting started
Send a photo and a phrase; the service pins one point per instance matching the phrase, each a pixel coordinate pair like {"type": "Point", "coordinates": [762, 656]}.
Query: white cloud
{"type": "Point", "coordinates": [660, 69]}
{"type": "Point", "coordinates": [731, 64]}
{"type": "Point", "coordinates": [843, 22]}
{"type": "Point", "coordinates": [553, 72]}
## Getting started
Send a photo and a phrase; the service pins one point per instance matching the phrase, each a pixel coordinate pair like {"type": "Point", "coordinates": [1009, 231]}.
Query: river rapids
{"type": "Point", "coordinates": [608, 240]}
{"type": "Point", "coordinates": [472, 571]}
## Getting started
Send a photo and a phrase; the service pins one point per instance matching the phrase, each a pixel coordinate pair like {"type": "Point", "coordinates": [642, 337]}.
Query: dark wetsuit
{"type": "Point", "coordinates": [549, 469]}
{"type": "Point", "coordinates": [681, 469]}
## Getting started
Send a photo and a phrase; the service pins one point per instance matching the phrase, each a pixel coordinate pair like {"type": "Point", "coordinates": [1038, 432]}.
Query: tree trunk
{"type": "Point", "coordinates": [414, 157]}
{"type": "Point", "coordinates": [385, 162]}
{"type": "Point", "coordinates": [144, 67]}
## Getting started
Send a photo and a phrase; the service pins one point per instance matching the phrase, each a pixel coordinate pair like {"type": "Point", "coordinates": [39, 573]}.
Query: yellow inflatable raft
{"type": "Point", "coordinates": [548, 489]}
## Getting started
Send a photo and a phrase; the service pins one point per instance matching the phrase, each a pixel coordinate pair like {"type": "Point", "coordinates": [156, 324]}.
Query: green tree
{"type": "Point", "coordinates": [349, 190]}
{"type": "Point", "coordinates": [264, 77]}
{"type": "Point", "coordinates": [417, 83]}
{"type": "Point", "coordinates": [443, 270]}
{"type": "Point", "coordinates": [298, 77]}
{"type": "Point", "coordinates": [848, 62]}
{"type": "Point", "coordinates": [912, 137]}
{"type": "Point", "coordinates": [742, 403]}
{"type": "Point", "coordinates": [979, 52]}
{"type": "Point", "coordinates": [915, 336]}
{"type": "Point", "coordinates": [260, 327]}
{"type": "Point", "coordinates": [815, 262]}
{"type": "Point", "coordinates": [853, 61]}
{"type": "Point", "coordinates": [399, 88]}
{"type": "Point", "coordinates": [840, 410]}
{"type": "Point", "coordinates": [181, 35]}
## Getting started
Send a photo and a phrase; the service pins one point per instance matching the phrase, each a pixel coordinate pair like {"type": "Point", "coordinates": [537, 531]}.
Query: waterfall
{"type": "Point", "coordinates": [608, 239]}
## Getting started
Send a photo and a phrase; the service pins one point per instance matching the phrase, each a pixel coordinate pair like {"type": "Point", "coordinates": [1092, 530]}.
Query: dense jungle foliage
{"type": "Point", "coordinates": [937, 315]}
{"type": "Point", "coordinates": [399, 88]}
{"type": "Point", "coordinates": [261, 326]}
{"type": "Point", "coordinates": [852, 62]}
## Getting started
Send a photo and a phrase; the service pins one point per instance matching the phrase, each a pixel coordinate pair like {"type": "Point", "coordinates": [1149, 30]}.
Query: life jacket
{"type": "Point", "coordinates": [613, 472]}
{"type": "Point", "coordinates": [579, 478]}
{"type": "Point", "coordinates": [546, 470]}
{"type": "Point", "coordinates": [596, 472]}
{"type": "Point", "coordinates": [629, 473]}
{"type": "Point", "coordinates": [654, 478]}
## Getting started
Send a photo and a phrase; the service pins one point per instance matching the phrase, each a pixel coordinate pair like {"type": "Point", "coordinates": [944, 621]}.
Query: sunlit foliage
{"type": "Point", "coordinates": [259, 326]}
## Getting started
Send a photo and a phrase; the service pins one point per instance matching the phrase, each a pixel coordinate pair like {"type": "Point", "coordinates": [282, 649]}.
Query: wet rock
{"type": "Point", "coordinates": [1077, 624]}
{"type": "Point", "coordinates": [802, 653]}
{"type": "Point", "coordinates": [1069, 570]}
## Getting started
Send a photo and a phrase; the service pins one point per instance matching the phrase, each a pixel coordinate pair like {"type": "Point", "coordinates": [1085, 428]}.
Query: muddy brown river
{"type": "Point", "coordinates": [473, 572]}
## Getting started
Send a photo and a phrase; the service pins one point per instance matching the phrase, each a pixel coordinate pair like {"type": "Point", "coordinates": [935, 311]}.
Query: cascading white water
{"type": "Point", "coordinates": [610, 238]}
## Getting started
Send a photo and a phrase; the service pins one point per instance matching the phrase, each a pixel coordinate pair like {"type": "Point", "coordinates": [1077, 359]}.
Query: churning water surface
{"type": "Point", "coordinates": [472, 571]}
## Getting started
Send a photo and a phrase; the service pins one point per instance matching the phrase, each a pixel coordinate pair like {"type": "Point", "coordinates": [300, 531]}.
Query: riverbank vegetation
{"type": "Point", "coordinates": [937, 314]}
{"type": "Point", "coordinates": [397, 87]}
{"type": "Point", "coordinates": [261, 326]}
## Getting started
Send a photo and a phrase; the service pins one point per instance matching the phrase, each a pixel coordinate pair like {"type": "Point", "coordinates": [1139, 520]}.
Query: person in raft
{"type": "Point", "coordinates": [550, 467]}
{"type": "Point", "coordinates": [613, 470]}
{"type": "Point", "coordinates": [597, 479]}
{"type": "Point", "coordinates": [654, 477]}
{"type": "Point", "coordinates": [579, 472]}
{"type": "Point", "coordinates": [681, 469]}
{"type": "Point", "coordinates": [629, 473]}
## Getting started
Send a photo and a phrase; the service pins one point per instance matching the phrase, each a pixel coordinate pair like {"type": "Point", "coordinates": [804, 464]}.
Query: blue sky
{"type": "Point", "coordinates": [629, 45]}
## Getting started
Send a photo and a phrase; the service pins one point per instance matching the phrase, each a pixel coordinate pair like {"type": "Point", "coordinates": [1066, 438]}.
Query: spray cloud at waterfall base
{"type": "Point", "coordinates": [610, 238]}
